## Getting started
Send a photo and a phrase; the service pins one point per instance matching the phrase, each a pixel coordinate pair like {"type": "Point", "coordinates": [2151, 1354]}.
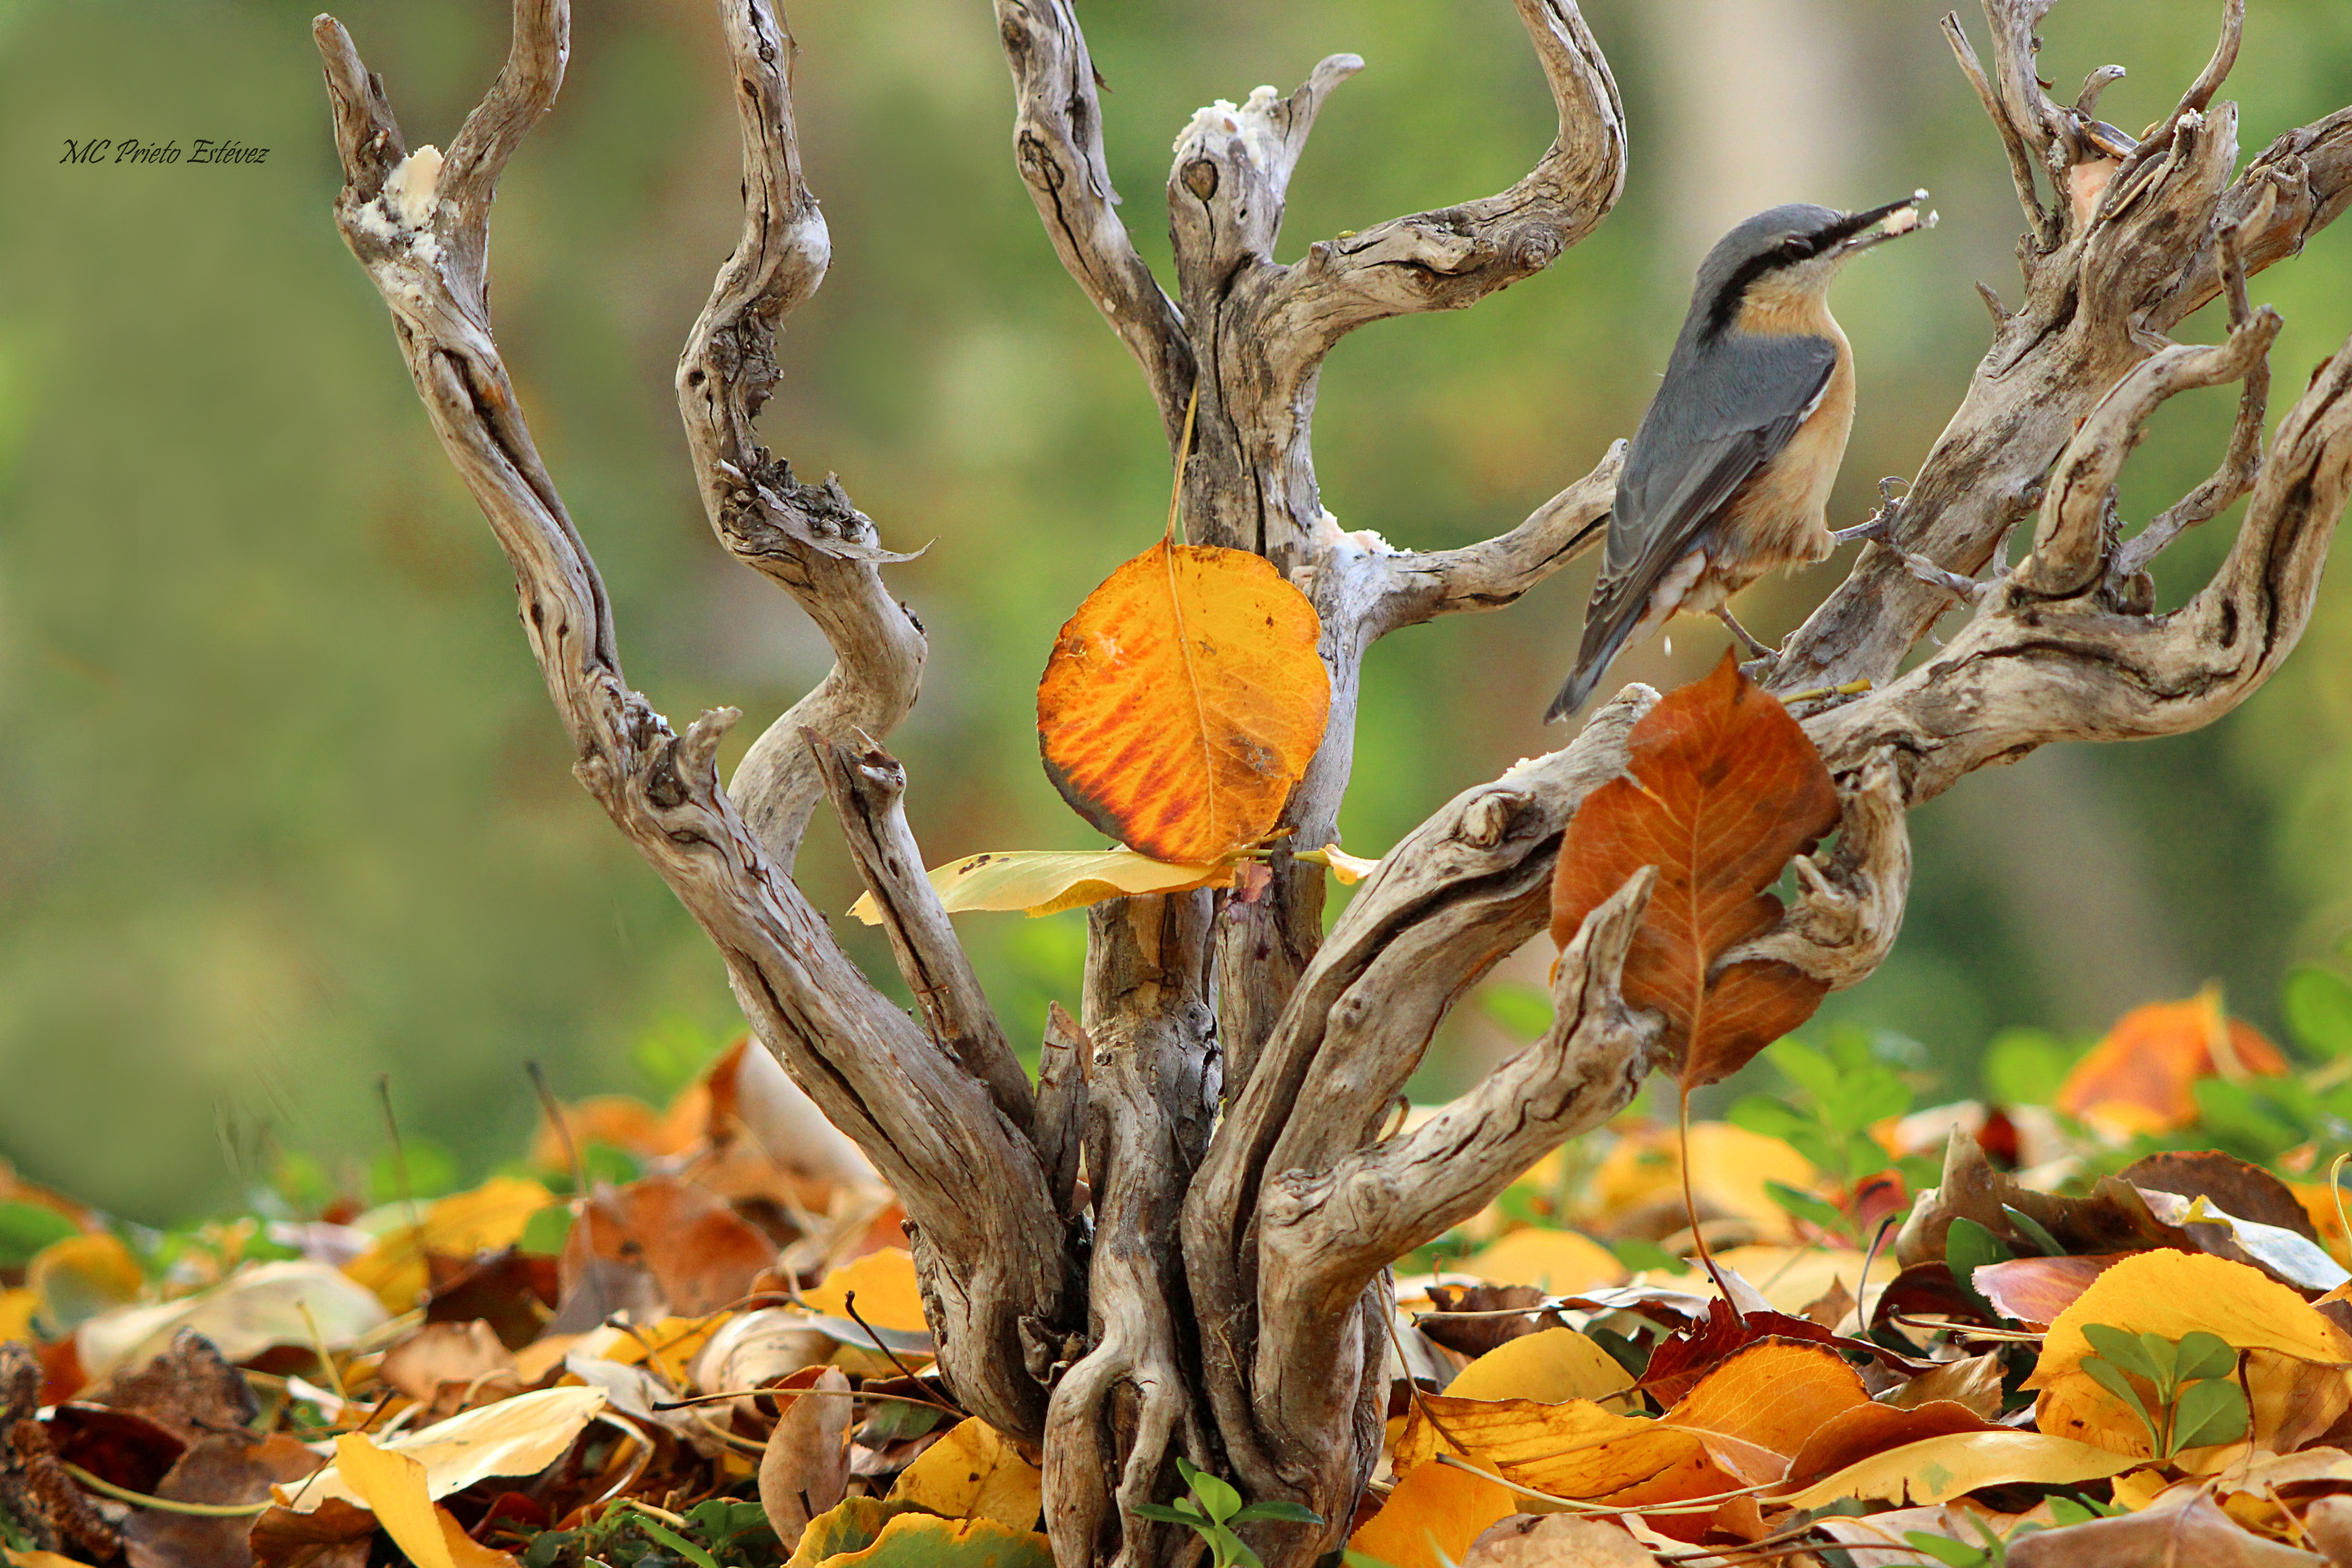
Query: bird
{"type": "Point", "coordinates": [1728, 475]}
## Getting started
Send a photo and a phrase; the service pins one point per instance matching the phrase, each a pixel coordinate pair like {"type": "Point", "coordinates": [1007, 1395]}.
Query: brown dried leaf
{"type": "Point", "coordinates": [1725, 788]}
{"type": "Point", "coordinates": [2191, 1530]}
{"type": "Point", "coordinates": [804, 1470]}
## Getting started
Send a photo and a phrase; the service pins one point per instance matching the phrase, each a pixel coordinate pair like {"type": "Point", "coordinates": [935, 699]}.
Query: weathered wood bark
{"type": "Point", "coordinates": [1216, 1288]}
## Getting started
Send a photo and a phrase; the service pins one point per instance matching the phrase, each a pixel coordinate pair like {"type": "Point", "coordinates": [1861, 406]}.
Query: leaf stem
{"type": "Point", "coordinates": [105, 1488]}
{"type": "Point", "coordinates": [1183, 456]}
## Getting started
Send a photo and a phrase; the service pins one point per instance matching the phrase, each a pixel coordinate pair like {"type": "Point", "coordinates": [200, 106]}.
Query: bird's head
{"type": "Point", "coordinates": [1783, 258]}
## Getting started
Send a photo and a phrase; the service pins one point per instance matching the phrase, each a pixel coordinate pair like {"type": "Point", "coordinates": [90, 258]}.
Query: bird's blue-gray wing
{"type": "Point", "coordinates": [1713, 423]}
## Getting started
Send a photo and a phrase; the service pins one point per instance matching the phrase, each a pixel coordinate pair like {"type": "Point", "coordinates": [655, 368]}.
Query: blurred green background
{"type": "Point", "coordinates": [282, 805]}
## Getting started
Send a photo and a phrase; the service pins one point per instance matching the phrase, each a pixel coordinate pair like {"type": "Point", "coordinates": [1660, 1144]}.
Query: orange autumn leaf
{"type": "Point", "coordinates": [2140, 1078]}
{"type": "Point", "coordinates": [1725, 789]}
{"type": "Point", "coordinates": [1184, 700]}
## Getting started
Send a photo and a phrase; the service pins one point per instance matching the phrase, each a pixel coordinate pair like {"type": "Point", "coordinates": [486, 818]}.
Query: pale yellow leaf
{"type": "Point", "coordinates": [1047, 882]}
{"type": "Point", "coordinates": [974, 1472]}
{"type": "Point", "coordinates": [393, 1486]}
{"type": "Point", "coordinates": [518, 1437]}
{"type": "Point", "coordinates": [1349, 869]}
{"type": "Point", "coordinates": [288, 1302]}
{"type": "Point", "coordinates": [1936, 1469]}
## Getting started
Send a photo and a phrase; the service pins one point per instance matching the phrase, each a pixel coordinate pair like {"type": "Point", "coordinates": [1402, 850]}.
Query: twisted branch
{"type": "Point", "coordinates": [982, 1222]}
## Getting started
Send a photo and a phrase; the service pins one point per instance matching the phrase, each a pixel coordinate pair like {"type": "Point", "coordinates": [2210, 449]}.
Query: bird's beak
{"type": "Point", "coordinates": [1879, 225]}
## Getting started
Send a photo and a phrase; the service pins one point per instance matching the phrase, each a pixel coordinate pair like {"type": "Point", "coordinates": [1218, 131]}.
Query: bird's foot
{"type": "Point", "coordinates": [1757, 647]}
{"type": "Point", "coordinates": [1880, 526]}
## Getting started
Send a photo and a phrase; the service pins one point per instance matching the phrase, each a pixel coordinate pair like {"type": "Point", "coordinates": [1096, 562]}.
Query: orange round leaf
{"type": "Point", "coordinates": [1184, 700]}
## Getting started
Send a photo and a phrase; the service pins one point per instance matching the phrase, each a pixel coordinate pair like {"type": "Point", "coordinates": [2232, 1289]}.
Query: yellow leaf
{"type": "Point", "coordinates": [287, 1302]}
{"type": "Point", "coordinates": [39, 1559]}
{"type": "Point", "coordinates": [1559, 1261]}
{"type": "Point", "coordinates": [926, 1541]}
{"type": "Point", "coordinates": [1552, 1365]}
{"type": "Point", "coordinates": [1935, 1469]}
{"type": "Point", "coordinates": [884, 1282]}
{"type": "Point", "coordinates": [1729, 1166]}
{"type": "Point", "coordinates": [1183, 701]}
{"type": "Point", "coordinates": [1571, 1449]}
{"type": "Point", "coordinates": [392, 1486]}
{"type": "Point", "coordinates": [484, 1219]}
{"type": "Point", "coordinates": [974, 1472]}
{"type": "Point", "coordinates": [517, 1437]}
{"type": "Point", "coordinates": [1349, 869]}
{"type": "Point", "coordinates": [16, 1307]}
{"type": "Point", "coordinates": [1047, 882]}
{"type": "Point", "coordinates": [79, 1277]}
{"type": "Point", "coordinates": [2175, 1294]}
{"type": "Point", "coordinates": [1432, 1517]}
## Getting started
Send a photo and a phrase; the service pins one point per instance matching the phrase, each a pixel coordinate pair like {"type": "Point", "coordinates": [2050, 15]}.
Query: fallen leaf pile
{"type": "Point", "coordinates": [2099, 1317]}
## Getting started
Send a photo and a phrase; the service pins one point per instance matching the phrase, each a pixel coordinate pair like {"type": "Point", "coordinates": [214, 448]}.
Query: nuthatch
{"type": "Point", "coordinates": [1730, 474]}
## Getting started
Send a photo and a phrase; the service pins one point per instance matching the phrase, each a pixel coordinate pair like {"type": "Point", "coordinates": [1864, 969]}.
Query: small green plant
{"type": "Point", "coordinates": [1855, 1080]}
{"type": "Point", "coordinates": [1214, 1508]}
{"type": "Point", "coordinates": [2197, 1402]}
{"type": "Point", "coordinates": [1994, 1552]}
{"type": "Point", "coordinates": [718, 1533]}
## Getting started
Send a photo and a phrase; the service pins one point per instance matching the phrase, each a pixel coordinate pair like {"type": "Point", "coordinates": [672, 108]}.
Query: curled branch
{"type": "Point", "coordinates": [1493, 573]}
{"type": "Point", "coordinates": [2013, 132]}
{"type": "Point", "coordinates": [2071, 544]}
{"type": "Point", "coordinates": [808, 538]}
{"type": "Point", "coordinates": [987, 1239]}
{"type": "Point", "coordinates": [1455, 256]}
{"type": "Point", "coordinates": [1849, 898]}
{"type": "Point", "coordinates": [868, 789]}
{"type": "Point", "coordinates": [1057, 142]}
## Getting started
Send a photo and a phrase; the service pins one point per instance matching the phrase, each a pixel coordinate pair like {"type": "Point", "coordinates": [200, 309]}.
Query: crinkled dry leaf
{"type": "Point", "coordinates": [804, 1469]}
{"type": "Point", "coordinates": [1938, 1468]}
{"type": "Point", "coordinates": [702, 1255]}
{"type": "Point", "coordinates": [1183, 701]}
{"type": "Point", "coordinates": [2188, 1530]}
{"type": "Point", "coordinates": [1047, 882]}
{"type": "Point", "coordinates": [2138, 1078]}
{"type": "Point", "coordinates": [1558, 1541]}
{"type": "Point", "coordinates": [1725, 789]}
{"type": "Point", "coordinates": [974, 1472]}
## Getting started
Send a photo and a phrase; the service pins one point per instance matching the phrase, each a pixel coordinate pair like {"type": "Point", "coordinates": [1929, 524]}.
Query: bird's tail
{"type": "Point", "coordinates": [1606, 629]}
